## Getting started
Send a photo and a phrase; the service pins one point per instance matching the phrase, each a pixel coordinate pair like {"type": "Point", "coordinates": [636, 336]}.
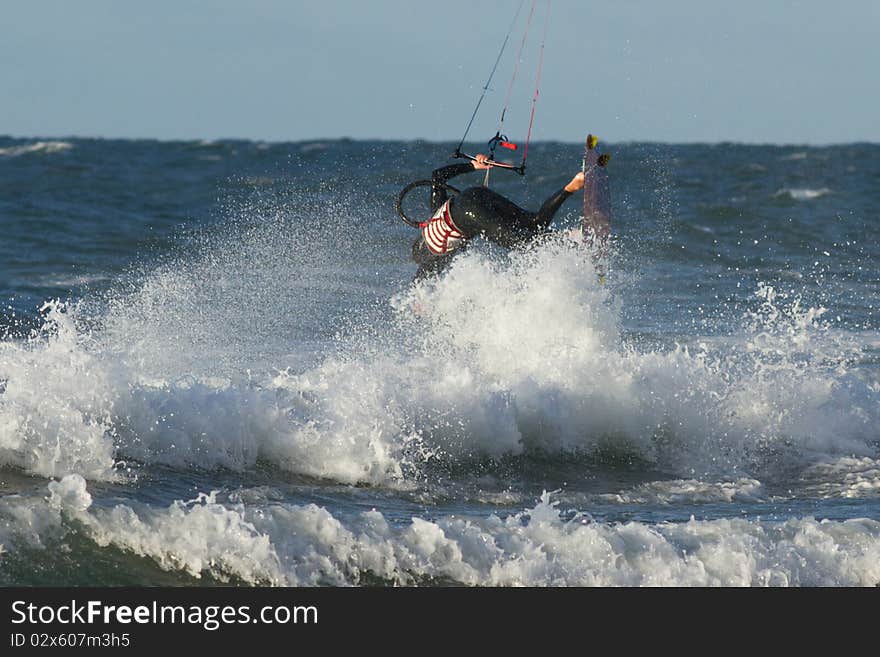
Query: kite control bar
{"type": "Point", "coordinates": [495, 142]}
{"type": "Point", "coordinates": [521, 169]}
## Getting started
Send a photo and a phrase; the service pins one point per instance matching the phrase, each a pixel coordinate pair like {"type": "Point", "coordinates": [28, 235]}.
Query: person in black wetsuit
{"type": "Point", "coordinates": [478, 211]}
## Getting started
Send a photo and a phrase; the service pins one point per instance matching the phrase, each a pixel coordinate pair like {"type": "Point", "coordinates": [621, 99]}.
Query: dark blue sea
{"type": "Point", "coordinates": [215, 368]}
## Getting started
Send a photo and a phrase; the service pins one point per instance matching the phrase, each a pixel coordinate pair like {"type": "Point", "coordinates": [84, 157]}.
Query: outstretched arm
{"type": "Point", "coordinates": [552, 204]}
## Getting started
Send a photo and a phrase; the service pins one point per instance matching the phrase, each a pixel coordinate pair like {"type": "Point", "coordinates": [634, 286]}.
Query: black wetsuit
{"type": "Point", "coordinates": [481, 211]}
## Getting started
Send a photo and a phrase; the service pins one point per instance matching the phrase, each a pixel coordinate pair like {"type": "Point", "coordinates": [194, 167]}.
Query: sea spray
{"type": "Point", "coordinates": [498, 358]}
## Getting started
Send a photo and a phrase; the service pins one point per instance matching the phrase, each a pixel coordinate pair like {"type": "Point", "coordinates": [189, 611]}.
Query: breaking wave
{"type": "Point", "coordinates": [499, 358]}
{"type": "Point", "coordinates": [541, 546]}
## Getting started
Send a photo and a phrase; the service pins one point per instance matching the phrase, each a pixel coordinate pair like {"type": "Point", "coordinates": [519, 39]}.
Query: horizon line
{"type": "Point", "coordinates": [210, 140]}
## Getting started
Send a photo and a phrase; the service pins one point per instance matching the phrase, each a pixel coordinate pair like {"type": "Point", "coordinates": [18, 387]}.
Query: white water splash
{"type": "Point", "coordinates": [496, 358]}
{"type": "Point", "coordinates": [57, 402]}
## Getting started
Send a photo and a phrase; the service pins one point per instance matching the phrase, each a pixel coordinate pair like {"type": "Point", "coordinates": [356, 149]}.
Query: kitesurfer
{"type": "Point", "coordinates": [478, 211]}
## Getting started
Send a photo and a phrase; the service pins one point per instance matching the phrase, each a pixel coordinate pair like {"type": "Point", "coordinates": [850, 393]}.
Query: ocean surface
{"type": "Point", "coordinates": [215, 368]}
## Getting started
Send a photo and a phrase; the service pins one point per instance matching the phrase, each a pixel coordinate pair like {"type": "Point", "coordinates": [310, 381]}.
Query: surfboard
{"type": "Point", "coordinates": [597, 196]}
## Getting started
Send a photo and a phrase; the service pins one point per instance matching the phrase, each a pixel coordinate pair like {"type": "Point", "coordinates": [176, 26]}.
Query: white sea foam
{"type": "Point", "coordinates": [36, 147]}
{"type": "Point", "coordinates": [802, 194]}
{"type": "Point", "coordinates": [690, 491]}
{"type": "Point", "coordinates": [844, 477]}
{"type": "Point", "coordinates": [307, 545]}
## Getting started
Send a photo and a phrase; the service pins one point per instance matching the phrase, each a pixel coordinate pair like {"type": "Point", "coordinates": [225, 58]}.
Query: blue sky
{"type": "Point", "coordinates": [779, 71]}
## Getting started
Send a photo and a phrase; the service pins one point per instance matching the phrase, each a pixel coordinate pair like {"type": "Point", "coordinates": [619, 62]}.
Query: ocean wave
{"type": "Point", "coordinates": [313, 147]}
{"type": "Point", "coordinates": [801, 194]}
{"type": "Point", "coordinates": [690, 491]}
{"type": "Point", "coordinates": [36, 147]}
{"type": "Point", "coordinates": [495, 359]}
{"type": "Point", "coordinates": [69, 281]}
{"type": "Point", "coordinates": [846, 477]}
{"type": "Point", "coordinates": [541, 546]}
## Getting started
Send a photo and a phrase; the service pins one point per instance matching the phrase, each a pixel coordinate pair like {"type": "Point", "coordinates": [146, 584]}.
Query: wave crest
{"type": "Point", "coordinates": [36, 147]}
{"type": "Point", "coordinates": [541, 546]}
